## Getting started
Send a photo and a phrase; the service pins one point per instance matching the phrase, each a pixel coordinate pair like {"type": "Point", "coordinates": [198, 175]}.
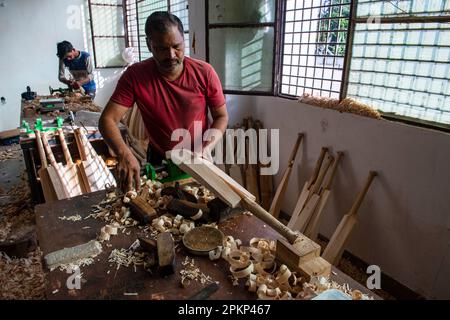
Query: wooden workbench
{"type": "Point", "coordinates": [55, 234]}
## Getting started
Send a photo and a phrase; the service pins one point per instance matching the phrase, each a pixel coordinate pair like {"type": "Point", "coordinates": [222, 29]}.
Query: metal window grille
{"type": "Point", "coordinates": [400, 61]}
{"type": "Point", "coordinates": [314, 42]}
{"type": "Point", "coordinates": [108, 35]}
{"type": "Point", "coordinates": [137, 12]}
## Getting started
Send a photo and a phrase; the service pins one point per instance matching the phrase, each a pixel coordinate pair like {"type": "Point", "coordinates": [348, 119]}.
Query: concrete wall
{"type": "Point", "coordinates": [30, 30]}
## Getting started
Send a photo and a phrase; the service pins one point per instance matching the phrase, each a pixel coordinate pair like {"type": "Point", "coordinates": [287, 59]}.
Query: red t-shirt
{"type": "Point", "coordinates": [168, 105]}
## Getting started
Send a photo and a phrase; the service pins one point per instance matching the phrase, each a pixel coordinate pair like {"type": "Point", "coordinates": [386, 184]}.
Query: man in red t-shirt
{"type": "Point", "coordinates": [171, 91]}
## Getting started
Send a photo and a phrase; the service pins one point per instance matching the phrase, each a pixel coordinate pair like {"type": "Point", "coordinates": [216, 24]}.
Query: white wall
{"type": "Point", "coordinates": [404, 221]}
{"type": "Point", "coordinates": [29, 31]}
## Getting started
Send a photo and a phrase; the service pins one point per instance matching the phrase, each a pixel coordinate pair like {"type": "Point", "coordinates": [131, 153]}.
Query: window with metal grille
{"type": "Point", "coordinates": [400, 59]}
{"type": "Point", "coordinates": [137, 12]}
{"type": "Point", "coordinates": [108, 32]}
{"type": "Point", "coordinates": [314, 41]}
{"type": "Point", "coordinates": [241, 44]}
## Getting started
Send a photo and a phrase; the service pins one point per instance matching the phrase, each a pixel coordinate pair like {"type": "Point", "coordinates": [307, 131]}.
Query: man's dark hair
{"type": "Point", "coordinates": [63, 48]}
{"type": "Point", "coordinates": [161, 21]}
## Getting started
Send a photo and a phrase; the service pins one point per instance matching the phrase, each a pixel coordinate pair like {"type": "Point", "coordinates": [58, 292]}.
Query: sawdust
{"type": "Point", "coordinates": [18, 212]}
{"type": "Point", "coordinates": [10, 153]}
{"type": "Point", "coordinates": [19, 278]}
{"type": "Point", "coordinates": [22, 278]}
{"type": "Point", "coordinates": [347, 105]}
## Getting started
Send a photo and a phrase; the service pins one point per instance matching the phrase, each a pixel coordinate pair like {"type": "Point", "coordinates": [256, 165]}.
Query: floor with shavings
{"type": "Point", "coordinates": [356, 273]}
{"type": "Point", "coordinates": [20, 278]}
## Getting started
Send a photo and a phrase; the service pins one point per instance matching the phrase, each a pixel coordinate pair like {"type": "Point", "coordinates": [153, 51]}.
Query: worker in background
{"type": "Point", "coordinates": [80, 67]}
{"type": "Point", "coordinates": [171, 91]}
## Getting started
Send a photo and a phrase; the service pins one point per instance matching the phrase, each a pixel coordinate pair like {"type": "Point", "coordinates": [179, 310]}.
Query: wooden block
{"type": "Point", "coordinates": [166, 254]}
{"type": "Point", "coordinates": [294, 255]}
{"type": "Point", "coordinates": [317, 267]}
{"type": "Point", "coordinates": [148, 245]}
{"type": "Point", "coordinates": [142, 210]}
{"type": "Point", "coordinates": [266, 188]}
{"type": "Point", "coordinates": [9, 134]}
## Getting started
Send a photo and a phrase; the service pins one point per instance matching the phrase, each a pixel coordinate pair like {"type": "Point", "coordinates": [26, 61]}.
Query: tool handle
{"type": "Point", "coordinates": [333, 170]}
{"type": "Point", "coordinates": [64, 147]}
{"type": "Point", "coordinates": [81, 148]}
{"type": "Point", "coordinates": [40, 149]}
{"type": "Point", "coordinates": [317, 167]}
{"type": "Point", "coordinates": [322, 173]}
{"type": "Point", "coordinates": [361, 195]}
{"type": "Point", "coordinates": [295, 150]}
{"type": "Point", "coordinates": [265, 216]}
{"type": "Point", "coordinates": [48, 150]}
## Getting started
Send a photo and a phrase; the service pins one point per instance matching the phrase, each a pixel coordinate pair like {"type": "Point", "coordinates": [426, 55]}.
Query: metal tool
{"type": "Point", "coordinates": [60, 90]}
{"type": "Point", "coordinates": [49, 105]}
{"type": "Point", "coordinates": [206, 292]}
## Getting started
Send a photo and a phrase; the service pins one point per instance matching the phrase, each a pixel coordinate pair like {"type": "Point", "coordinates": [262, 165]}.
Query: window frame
{"type": "Point", "coordinates": [386, 20]}
{"type": "Point", "coordinates": [138, 33]}
{"type": "Point", "coordinates": [93, 36]}
{"type": "Point", "coordinates": [275, 25]}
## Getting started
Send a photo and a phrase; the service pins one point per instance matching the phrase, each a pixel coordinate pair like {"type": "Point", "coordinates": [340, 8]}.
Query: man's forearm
{"type": "Point", "coordinates": [111, 134]}
{"type": "Point", "coordinates": [220, 125]}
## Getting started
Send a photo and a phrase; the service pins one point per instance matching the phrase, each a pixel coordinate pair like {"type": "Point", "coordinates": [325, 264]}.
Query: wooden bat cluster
{"type": "Point", "coordinates": [62, 181]}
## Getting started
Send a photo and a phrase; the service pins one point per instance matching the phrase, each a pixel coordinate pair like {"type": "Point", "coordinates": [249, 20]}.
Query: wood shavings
{"type": "Point", "coordinates": [75, 265]}
{"type": "Point", "coordinates": [256, 265]}
{"type": "Point", "coordinates": [18, 212]}
{"type": "Point", "coordinates": [191, 272]}
{"type": "Point", "coordinates": [76, 103]}
{"type": "Point", "coordinates": [70, 218]}
{"type": "Point", "coordinates": [347, 105]}
{"type": "Point", "coordinates": [22, 278]}
{"type": "Point", "coordinates": [128, 258]}
{"type": "Point", "coordinates": [10, 154]}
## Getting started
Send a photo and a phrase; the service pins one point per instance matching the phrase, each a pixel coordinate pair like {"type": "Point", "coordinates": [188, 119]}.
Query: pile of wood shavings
{"type": "Point", "coordinates": [347, 105]}
{"type": "Point", "coordinates": [17, 213]}
{"type": "Point", "coordinates": [256, 264]}
{"type": "Point", "coordinates": [10, 153]}
{"type": "Point", "coordinates": [128, 258]}
{"type": "Point", "coordinates": [74, 102]}
{"type": "Point", "coordinates": [191, 272]}
{"type": "Point", "coordinates": [22, 278]}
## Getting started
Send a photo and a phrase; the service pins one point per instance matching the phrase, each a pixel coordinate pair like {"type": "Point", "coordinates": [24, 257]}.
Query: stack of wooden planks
{"type": "Point", "coordinates": [242, 163]}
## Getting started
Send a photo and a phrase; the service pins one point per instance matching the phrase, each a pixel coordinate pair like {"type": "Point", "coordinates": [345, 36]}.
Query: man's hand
{"type": "Point", "coordinates": [207, 153]}
{"type": "Point", "coordinates": [75, 85]}
{"type": "Point", "coordinates": [129, 171]}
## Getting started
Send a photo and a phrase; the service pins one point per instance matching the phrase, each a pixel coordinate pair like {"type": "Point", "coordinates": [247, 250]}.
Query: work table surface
{"type": "Point", "coordinates": [102, 279]}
